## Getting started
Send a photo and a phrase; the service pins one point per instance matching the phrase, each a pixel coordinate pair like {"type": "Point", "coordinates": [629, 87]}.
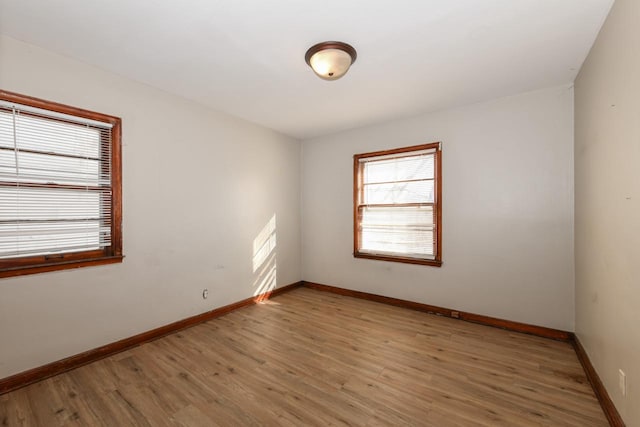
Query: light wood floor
{"type": "Point", "coordinates": [314, 358]}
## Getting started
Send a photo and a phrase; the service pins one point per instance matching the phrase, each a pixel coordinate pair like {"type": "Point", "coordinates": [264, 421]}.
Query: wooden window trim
{"type": "Point", "coordinates": [109, 255]}
{"type": "Point", "coordinates": [358, 195]}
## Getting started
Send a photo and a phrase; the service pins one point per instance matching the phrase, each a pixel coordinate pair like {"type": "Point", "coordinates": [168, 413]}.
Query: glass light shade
{"type": "Point", "coordinates": [330, 64]}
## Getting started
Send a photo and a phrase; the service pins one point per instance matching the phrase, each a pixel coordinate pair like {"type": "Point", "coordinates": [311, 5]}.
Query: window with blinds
{"type": "Point", "coordinates": [397, 205]}
{"type": "Point", "coordinates": [59, 186]}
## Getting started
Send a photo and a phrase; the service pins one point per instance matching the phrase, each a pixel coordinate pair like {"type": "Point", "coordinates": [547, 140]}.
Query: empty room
{"type": "Point", "coordinates": [297, 213]}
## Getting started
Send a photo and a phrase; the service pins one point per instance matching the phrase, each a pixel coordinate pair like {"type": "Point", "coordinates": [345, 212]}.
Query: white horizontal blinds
{"type": "Point", "coordinates": [55, 183]}
{"type": "Point", "coordinates": [396, 207]}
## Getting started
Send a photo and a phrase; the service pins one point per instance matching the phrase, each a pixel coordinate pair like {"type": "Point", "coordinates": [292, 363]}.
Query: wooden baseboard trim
{"type": "Point", "coordinates": [609, 409]}
{"type": "Point", "coordinates": [42, 372]}
{"type": "Point", "coordinates": [540, 331]}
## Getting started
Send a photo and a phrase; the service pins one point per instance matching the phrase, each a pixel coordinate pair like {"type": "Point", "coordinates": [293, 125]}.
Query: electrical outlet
{"type": "Point", "coordinates": [622, 382]}
{"type": "Point", "coordinates": [455, 314]}
{"type": "Point", "coordinates": [205, 293]}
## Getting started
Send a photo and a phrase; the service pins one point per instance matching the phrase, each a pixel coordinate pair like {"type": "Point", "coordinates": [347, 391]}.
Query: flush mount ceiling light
{"type": "Point", "coordinates": [330, 60]}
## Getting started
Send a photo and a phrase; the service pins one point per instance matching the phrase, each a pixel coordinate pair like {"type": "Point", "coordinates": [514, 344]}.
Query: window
{"type": "Point", "coordinates": [397, 209]}
{"type": "Point", "coordinates": [60, 191]}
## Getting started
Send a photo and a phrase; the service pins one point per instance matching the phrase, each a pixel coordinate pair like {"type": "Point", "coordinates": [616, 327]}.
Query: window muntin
{"type": "Point", "coordinates": [397, 201]}
{"type": "Point", "coordinates": [59, 186]}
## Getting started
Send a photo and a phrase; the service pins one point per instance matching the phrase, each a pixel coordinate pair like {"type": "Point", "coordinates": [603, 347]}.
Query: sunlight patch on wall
{"type": "Point", "coordinates": [264, 259]}
{"type": "Point", "coordinates": [264, 244]}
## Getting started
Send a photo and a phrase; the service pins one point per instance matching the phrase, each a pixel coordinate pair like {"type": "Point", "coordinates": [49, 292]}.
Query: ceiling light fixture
{"type": "Point", "coordinates": [330, 60]}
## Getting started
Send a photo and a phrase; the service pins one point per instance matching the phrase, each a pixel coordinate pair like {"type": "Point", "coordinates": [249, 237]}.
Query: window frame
{"type": "Point", "coordinates": [19, 266]}
{"type": "Point", "coordinates": [357, 196]}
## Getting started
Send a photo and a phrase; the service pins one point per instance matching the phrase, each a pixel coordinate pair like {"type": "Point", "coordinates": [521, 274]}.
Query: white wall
{"type": "Point", "coordinates": [607, 205]}
{"type": "Point", "coordinates": [198, 187]}
{"type": "Point", "coordinates": [507, 210]}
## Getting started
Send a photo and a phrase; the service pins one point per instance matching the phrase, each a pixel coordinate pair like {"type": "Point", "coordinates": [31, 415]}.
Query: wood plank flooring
{"type": "Point", "coordinates": [314, 358]}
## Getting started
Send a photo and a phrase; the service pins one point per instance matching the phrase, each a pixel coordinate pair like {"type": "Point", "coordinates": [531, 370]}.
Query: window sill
{"type": "Point", "coordinates": [61, 265]}
{"type": "Point", "coordinates": [406, 260]}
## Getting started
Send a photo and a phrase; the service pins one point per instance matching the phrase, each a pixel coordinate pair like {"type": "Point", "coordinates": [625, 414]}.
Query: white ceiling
{"type": "Point", "coordinates": [246, 57]}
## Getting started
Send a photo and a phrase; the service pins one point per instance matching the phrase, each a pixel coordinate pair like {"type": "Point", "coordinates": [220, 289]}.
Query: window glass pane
{"type": "Point", "coordinates": [402, 192]}
{"type": "Point", "coordinates": [52, 237]}
{"type": "Point", "coordinates": [21, 203]}
{"type": "Point", "coordinates": [36, 221]}
{"type": "Point", "coordinates": [406, 231]}
{"type": "Point", "coordinates": [50, 136]}
{"type": "Point", "coordinates": [43, 168]}
{"type": "Point", "coordinates": [6, 129]}
{"type": "Point", "coordinates": [399, 169]}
